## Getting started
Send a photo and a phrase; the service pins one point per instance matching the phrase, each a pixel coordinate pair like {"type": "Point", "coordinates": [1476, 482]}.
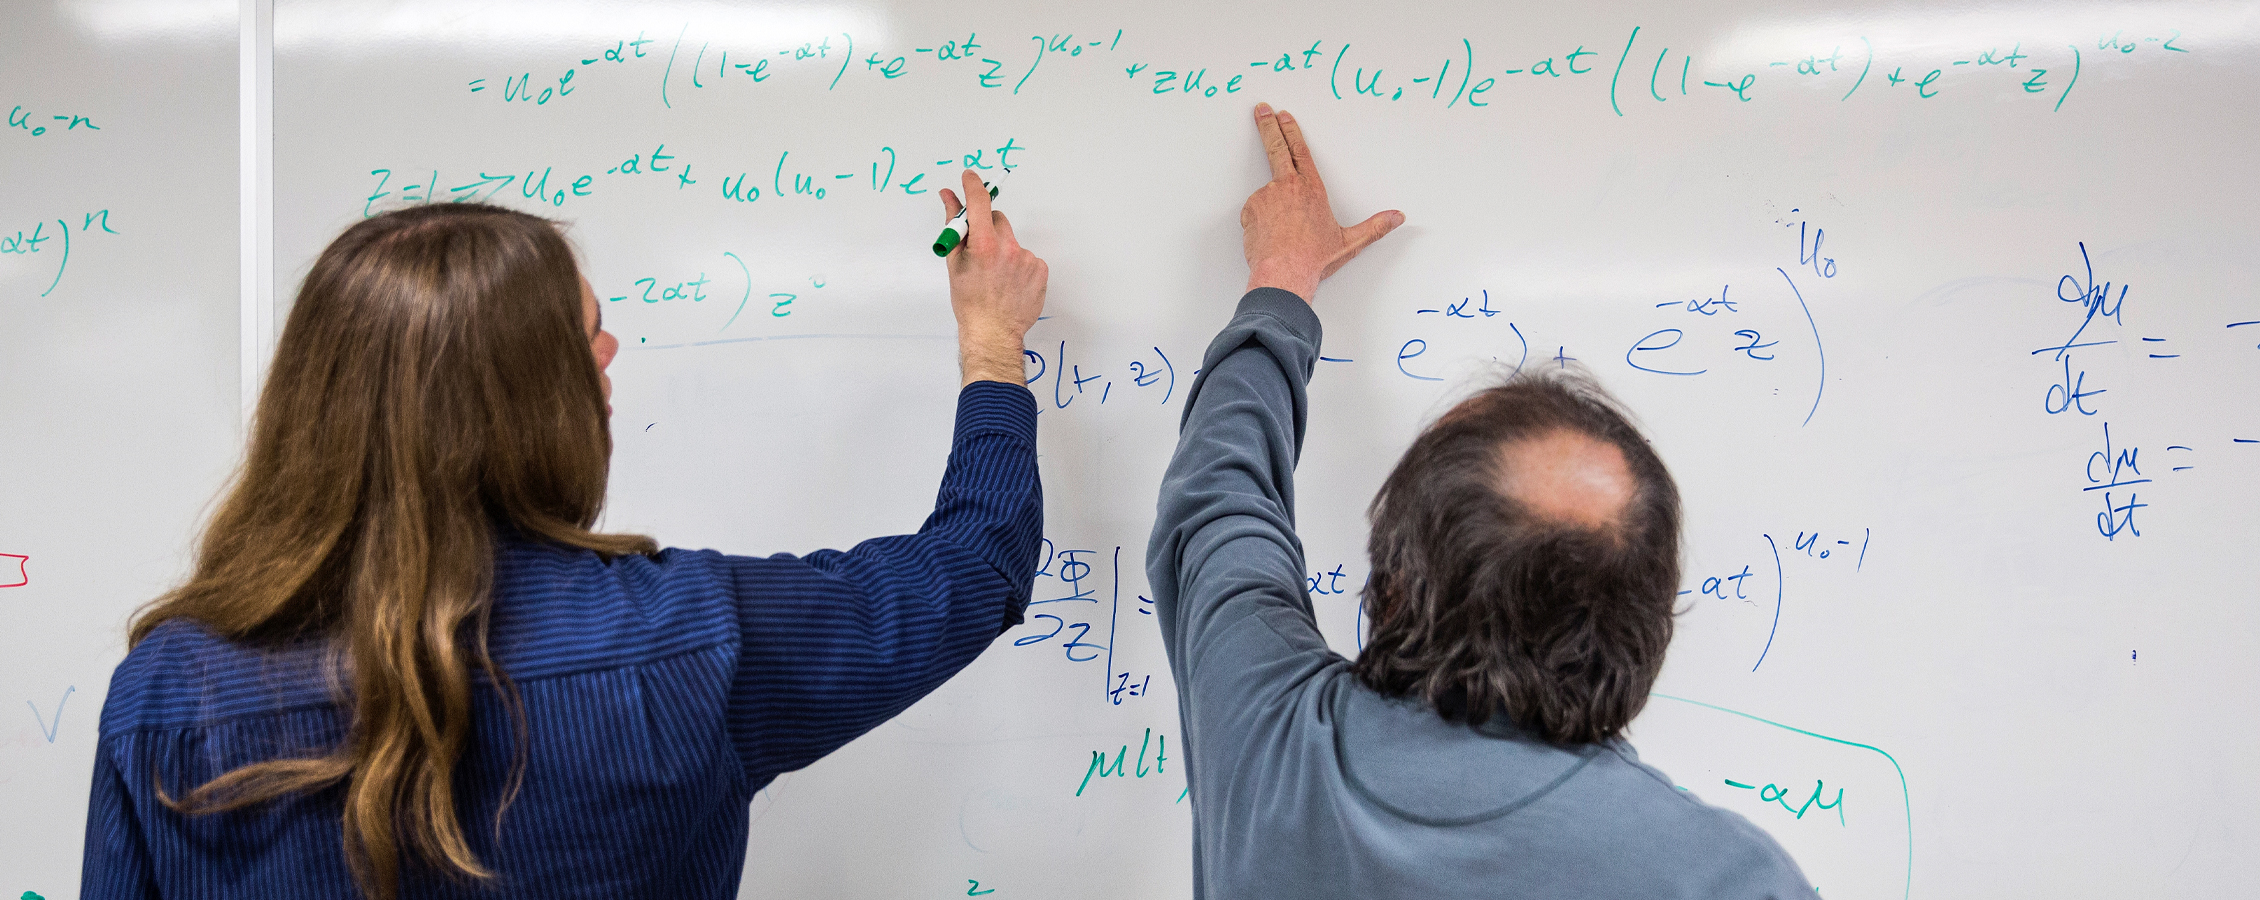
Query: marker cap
{"type": "Point", "coordinates": [947, 242]}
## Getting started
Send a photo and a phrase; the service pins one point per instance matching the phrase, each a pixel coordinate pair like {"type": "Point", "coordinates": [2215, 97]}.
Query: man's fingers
{"type": "Point", "coordinates": [1372, 229]}
{"type": "Point", "coordinates": [1298, 151]}
{"type": "Point", "coordinates": [1274, 143]}
{"type": "Point", "coordinates": [1003, 228]}
{"type": "Point", "coordinates": [950, 206]}
{"type": "Point", "coordinates": [976, 209]}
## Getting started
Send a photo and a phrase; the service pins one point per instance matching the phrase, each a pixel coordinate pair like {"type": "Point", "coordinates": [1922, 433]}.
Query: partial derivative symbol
{"type": "Point", "coordinates": [20, 576]}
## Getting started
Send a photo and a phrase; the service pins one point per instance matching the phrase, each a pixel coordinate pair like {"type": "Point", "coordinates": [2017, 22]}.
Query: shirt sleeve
{"type": "Point", "coordinates": [116, 864]}
{"type": "Point", "coordinates": [833, 644]}
{"type": "Point", "coordinates": [1224, 561]}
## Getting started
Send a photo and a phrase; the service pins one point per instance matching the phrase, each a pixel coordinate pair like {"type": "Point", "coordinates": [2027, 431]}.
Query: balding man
{"type": "Point", "coordinates": [1525, 559]}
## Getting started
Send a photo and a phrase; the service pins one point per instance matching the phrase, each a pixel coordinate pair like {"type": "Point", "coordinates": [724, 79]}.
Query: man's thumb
{"type": "Point", "coordinates": [1373, 228]}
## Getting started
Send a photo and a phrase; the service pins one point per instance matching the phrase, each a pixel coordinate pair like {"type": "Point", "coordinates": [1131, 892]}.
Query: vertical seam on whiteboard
{"type": "Point", "coordinates": [255, 53]}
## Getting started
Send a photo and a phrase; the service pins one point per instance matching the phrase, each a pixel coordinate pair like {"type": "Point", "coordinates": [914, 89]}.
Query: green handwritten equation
{"type": "Point", "coordinates": [886, 170]}
{"type": "Point", "coordinates": [1469, 77]}
{"type": "Point", "coordinates": [28, 123]}
{"type": "Point", "coordinates": [1772, 793]}
{"type": "Point", "coordinates": [56, 241]}
{"type": "Point", "coordinates": [1123, 767]}
{"type": "Point", "coordinates": [1854, 854]}
{"type": "Point", "coordinates": [1634, 65]}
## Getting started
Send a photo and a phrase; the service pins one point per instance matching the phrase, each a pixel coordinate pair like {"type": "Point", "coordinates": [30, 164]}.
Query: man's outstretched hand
{"type": "Point", "coordinates": [1291, 237]}
{"type": "Point", "coordinates": [996, 290]}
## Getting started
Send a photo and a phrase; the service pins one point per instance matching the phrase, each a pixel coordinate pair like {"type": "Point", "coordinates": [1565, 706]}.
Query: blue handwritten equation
{"type": "Point", "coordinates": [2112, 470]}
{"type": "Point", "coordinates": [1843, 550]}
{"type": "Point", "coordinates": [1150, 376]}
{"type": "Point", "coordinates": [1459, 316]}
{"type": "Point", "coordinates": [1329, 582]}
{"type": "Point", "coordinates": [57, 240]}
{"type": "Point", "coordinates": [1067, 581]}
{"type": "Point", "coordinates": [1708, 329]}
{"type": "Point", "coordinates": [1702, 331]}
{"type": "Point", "coordinates": [1335, 582]}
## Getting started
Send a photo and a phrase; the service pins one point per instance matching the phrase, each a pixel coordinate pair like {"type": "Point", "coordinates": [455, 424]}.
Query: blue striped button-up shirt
{"type": "Point", "coordinates": [660, 693]}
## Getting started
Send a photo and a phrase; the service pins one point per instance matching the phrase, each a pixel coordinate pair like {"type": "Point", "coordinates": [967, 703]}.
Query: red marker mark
{"type": "Point", "coordinates": [21, 577]}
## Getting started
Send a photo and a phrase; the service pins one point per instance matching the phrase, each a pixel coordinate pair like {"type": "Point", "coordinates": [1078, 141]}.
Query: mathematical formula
{"type": "Point", "coordinates": [1635, 65]}
{"type": "Point", "coordinates": [887, 169]}
{"type": "Point", "coordinates": [1071, 615]}
{"type": "Point", "coordinates": [2112, 470]}
{"type": "Point", "coordinates": [56, 241]}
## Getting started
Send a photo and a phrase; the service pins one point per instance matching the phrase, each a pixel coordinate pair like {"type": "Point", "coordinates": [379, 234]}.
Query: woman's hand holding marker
{"type": "Point", "coordinates": [1292, 239]}
{"type": "Point", "coordinates": [996, 289]}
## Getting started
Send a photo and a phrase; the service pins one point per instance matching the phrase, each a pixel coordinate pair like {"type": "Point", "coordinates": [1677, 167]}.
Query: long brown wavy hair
{"type": "Point", "coordinates": [433, 384]}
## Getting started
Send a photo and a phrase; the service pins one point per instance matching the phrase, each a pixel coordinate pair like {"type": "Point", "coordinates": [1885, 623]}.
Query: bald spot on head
{"type": "Point", "coordinates": [1567, 478]}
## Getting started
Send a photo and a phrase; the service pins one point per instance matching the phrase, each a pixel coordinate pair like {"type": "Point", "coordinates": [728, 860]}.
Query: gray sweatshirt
{"type": "Point", "coordinates": [1305, 783]}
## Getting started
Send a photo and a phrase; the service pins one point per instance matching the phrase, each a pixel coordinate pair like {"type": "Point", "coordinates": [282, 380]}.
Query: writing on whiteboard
{"type": "Point", "coordinates": [25, 122]}
{"type": "Point", "coordinates": [1151, 375]}
{"type": "Point", "coordinates": [1471, 73]}
{"type": "Point", "coordinates": [884, 169]}
{"type": "Point", "coordinates": [41, 239]}
{"type": "Point", "coordinates": [1122, 766]}
{"type": "Point", "coordinates": [49, 727]}
{"type": "Point", "coordinates": [1779, 795]}
{"type": "Point", "coordinates": [776, 304]}
{"type": "Point", "coordinates": [1703, 330]}
{"type": "Point", "coordinates": [1818, 551]}
{"type": "Point", "coordinates": [1082, 622]}
{"type": "Point", "coordinates": [2094, 313]}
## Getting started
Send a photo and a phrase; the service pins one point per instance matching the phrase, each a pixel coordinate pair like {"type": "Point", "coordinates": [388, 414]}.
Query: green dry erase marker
{"type": "Point", "coordinates": [954, 233]}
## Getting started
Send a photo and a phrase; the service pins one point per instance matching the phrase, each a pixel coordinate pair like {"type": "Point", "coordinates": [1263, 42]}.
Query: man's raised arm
{"type": "Point", "coordinates": [1224, 547]}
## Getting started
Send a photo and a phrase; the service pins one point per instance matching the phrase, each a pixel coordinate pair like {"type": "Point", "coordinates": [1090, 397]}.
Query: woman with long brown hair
{"type": "Point", "coordinates": [405, 665]}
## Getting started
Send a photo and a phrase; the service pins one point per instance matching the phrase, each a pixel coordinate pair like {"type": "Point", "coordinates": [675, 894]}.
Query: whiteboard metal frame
{"type": "Point", "coordinates": [255, 214]}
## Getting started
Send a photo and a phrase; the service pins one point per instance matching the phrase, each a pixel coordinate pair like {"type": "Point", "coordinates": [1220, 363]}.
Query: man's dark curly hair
{"type": "Point", "coordinates": [1482, 605]}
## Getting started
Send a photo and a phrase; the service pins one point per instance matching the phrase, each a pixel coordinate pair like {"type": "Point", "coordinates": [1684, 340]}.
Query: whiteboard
{"type": "Point", "coordinates": [119, 356]}
{"type": "Point", "coordinates": [1936, 313]}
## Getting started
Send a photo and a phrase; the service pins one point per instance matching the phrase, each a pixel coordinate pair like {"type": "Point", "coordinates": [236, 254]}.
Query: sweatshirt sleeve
{"type": "Point", "coordinates": [1224, 560]}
